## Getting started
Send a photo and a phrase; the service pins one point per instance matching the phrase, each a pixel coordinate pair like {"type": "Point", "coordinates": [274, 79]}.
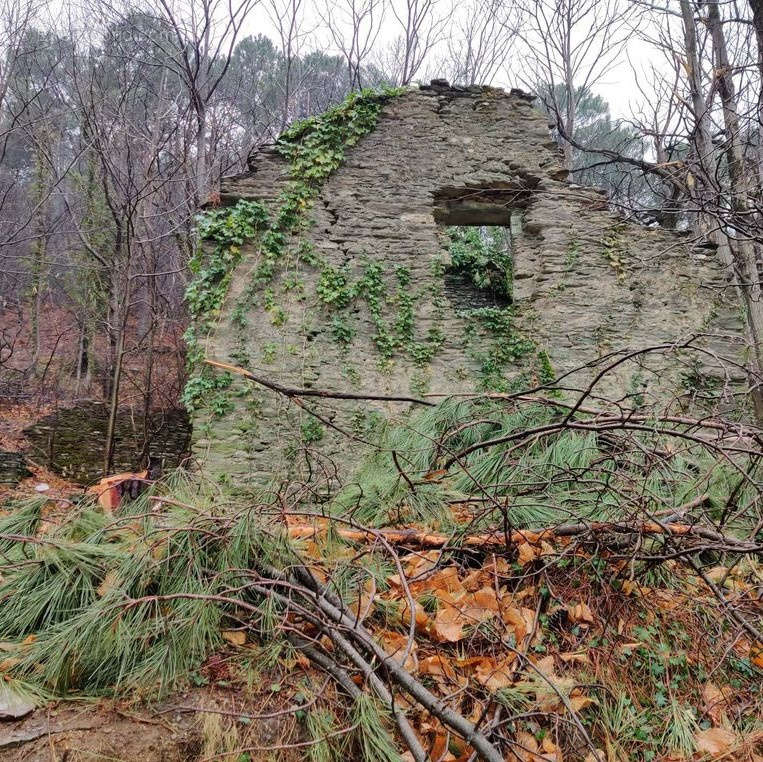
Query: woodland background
{"type": "Point", "coordinates": [118, 120]}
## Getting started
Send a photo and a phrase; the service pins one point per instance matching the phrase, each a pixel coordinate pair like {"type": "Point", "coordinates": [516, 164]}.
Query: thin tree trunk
{"type": "Point", "coordinates": [108, 450]}
{"type": "Point", "coordinates": [148, 383]}
{"type": "Point", "coordinates": [743, 251]}
{"type": "Point", "coordinates": [39, 252]}
{"type": "Point", "coordinates": [81, 358]}
{"type": "Point", "coordinates": [201, 159]}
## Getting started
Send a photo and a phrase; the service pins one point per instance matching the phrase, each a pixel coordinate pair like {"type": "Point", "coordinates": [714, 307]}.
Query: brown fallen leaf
{"type": "Point", "coordinates": [546, 666]}
{"type": "Point", "coordinates": [420, 563]}
{"type": "Point", "coordinates": [448, 625]}
{"type": "Point", "coordinates": [714, 741]}
{"type": "Point", "coordinates": [713, 703]}
{"type": "Point", "coordinates": [717, 574]}
{"type": "Point", "coordinates": [108, 583]}
{"type": "Point", "coordinates": [478, 606]}
{"type": "Point", "coordinates": [234, 637]}
{"type": "Point", "coordinates": [477, 579]}
{"type": "Point", "coordinates": [9, 663]}
{"type": "Point", "coordinates": [525, 748]}
{"type": "Point", "coordinates": [440, 749]}
{"type": "Point", "coordinates": [575, 657]}
{"type": "Point", "coordinates": [665, 600]}
{"type": "Point", "coordinates": [363, 605]}
{"type": "Point", "coordinates": [580, 613]}
{"type": "Point", "coordinates": [546, 549]}
{"type": "Point", "coordinates": [550, 749]}
{"type": "Point", "coordinates": [521, 620]}
{"type": "Point", "coordinates": [495, 674]}
{"type": "Point", "coordinates": [580, 702]}
{"type": "Point", "coordinates": [438, 583]}
{"type": "Point", "coordinates": [629, 587]}
{"type": "Point", "coordinates": [527, 553]}
{"type": "Point", "coordinates": [420, 615]}
{"type": "Point", "coordinates": [437, 666]}
{"type": "Point", "coordinates": [395, 644]}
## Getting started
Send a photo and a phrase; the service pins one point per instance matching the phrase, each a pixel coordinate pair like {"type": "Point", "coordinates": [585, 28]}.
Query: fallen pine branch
{"type": "Point", "coordinates": [348, 635]}
{"type": "Point", "coordinates": [496, 538]}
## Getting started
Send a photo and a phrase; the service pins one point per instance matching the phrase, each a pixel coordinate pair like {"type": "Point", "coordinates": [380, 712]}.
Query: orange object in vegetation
{"type": "Point", "coordinates": [111, 488]}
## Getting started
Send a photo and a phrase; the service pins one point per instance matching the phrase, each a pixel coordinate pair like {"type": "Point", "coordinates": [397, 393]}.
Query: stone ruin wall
{"type": "Point", "coordinates": [585, 283]}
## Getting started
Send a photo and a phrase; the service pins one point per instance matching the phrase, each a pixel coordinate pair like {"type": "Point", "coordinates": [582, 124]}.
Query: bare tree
{"type": "Point", "coordinates": [354, 27]}
{"type": "Point", "coordinates": [287, 17]}
{"type": "Point", "coordinates": [201, 37]}
{"type": "Point", "coordinates": [481, 41]}
{"type": "Point", "coordinates": [570, 45]}
{"type": "Point", "coordinates": [422, 26]}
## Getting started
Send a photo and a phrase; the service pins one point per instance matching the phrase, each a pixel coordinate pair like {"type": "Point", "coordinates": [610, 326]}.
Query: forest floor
{"type": "Point", "coordinates": [198, 723]}
{"type": "Point", "coordinates": [405, 620]}
{"type": "Point", "coordinates": [218, 711]}
{"type": "Point", "coordinates": [652, 670]}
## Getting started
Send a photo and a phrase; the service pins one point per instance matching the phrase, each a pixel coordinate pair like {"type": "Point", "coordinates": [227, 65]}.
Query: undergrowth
{"type": "Point", "coordinates": [97, 605]}
{"type": "Point", "coordinates": [542, 480]}
{"type": "Point", "coordinates": [111, 602]}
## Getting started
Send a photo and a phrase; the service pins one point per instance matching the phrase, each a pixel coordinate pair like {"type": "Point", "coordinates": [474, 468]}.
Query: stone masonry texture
{"type": "Point", "coordinates": [585, 282]}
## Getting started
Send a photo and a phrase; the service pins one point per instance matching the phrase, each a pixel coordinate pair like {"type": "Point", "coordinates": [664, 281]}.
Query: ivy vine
{"type": "Point", "coordinates": [314, 148]}
{"type": "Point", "coordinates": [212, 267]}
{"type": "Point", "coordinates": [337, 291]}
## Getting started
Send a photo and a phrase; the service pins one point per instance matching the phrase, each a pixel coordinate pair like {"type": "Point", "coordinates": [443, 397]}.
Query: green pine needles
{"type": "Point", "coordinates": [136, 602]}
{"type": "Point", "coordinates": [543, 480]}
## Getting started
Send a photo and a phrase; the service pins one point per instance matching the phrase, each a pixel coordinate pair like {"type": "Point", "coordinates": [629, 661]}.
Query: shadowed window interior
{"type": "Point", "coordinates": [479, 273]}
{"type": "Point", "coordinates": [480, 226]}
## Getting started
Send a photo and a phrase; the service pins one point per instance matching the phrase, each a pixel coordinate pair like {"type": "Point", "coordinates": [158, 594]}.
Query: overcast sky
{"type": "Point", "coordinates": [617, 86]}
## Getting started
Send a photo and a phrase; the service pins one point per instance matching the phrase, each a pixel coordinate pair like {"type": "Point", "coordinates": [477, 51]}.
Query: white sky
{"type": "Point", "coordinates": [618, 86]}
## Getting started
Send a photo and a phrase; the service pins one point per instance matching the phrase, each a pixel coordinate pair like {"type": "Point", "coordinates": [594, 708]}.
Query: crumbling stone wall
{"type": "Point", "coordinates": [585, 282]}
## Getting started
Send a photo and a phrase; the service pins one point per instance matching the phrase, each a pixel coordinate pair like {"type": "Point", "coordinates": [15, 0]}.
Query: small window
{"type": "Point", "coordinates": [480, 206]}
{"type": "Point", "coordinates": [479, 273]}
{"type": "Point", "coordinates": [480, 225]}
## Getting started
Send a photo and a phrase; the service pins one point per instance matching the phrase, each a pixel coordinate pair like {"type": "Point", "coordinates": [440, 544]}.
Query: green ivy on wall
{"type": "Point", "coordinates": [483, 256]}
{"type": "Point", "coordinates": [396, 334]}
{"type": "Point", "coordinates": [616, 250]}
{"type": "Point", "coordinates": [212, 268]}
{"type": "Point", "coordinates": [314, 148]}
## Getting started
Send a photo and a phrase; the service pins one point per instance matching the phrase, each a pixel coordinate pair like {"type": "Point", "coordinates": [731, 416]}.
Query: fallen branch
{"type": "Point", "coordinates": [355, 630]}
{"type": "Point", "coordinates": [496, 538]}
{"type": "Point", "coordinates": [289, 391]}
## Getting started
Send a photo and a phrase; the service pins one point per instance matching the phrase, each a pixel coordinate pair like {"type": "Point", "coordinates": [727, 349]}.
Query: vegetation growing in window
{"type": "Point", "coordinates": [483, 256]}
{"type": "Point", "coordinates": [506, 345]}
